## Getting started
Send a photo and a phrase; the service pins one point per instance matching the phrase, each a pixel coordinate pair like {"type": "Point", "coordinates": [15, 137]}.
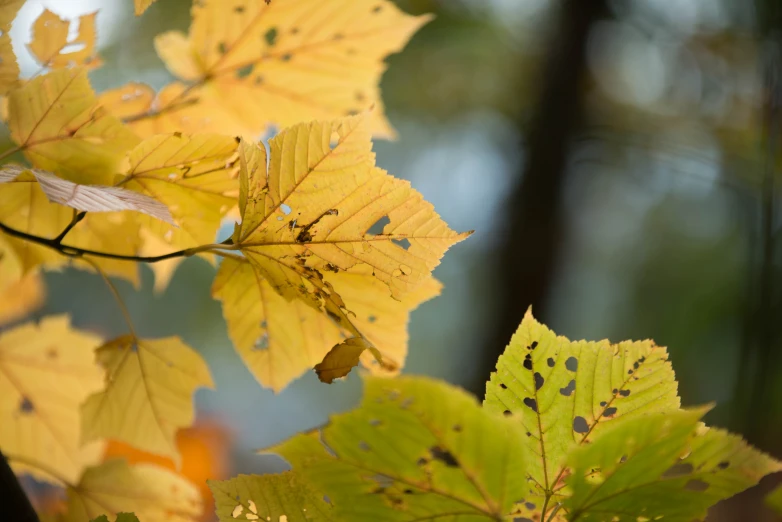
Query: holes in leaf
{"type": "Point", "coordinates": [539, 380]}
{"type": "Point", "coordinates": [378, 226]}
{"type": "Point", "coordinates": [261, 343]}
{"type": "Point", "coordinates": [571, 364]}
{"type": "Point", "coordinates": [285, 209]}
{"type": "Point", "coordinates": [245, 71]}
{"type": "Point", "coordinates": [531, 403]}
{"type": "Point", "coordinates": [444, 456]}
{"type": "Point", "coordinates": [402, 243]}
{"type": "Point", "coordinates": [580, 425]}
{"type": "Point", "coordinates": [568, 390]}
{"type": "Point", "coordinates": [26, 406]}
{"type": "Point", "coordinates": [271, 36]}
{"type": "Point", "coordinates": [696, 485]}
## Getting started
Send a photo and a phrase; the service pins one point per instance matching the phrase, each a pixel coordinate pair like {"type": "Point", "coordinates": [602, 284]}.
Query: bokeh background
{"type": "Point", "coordinates": [618, 161]}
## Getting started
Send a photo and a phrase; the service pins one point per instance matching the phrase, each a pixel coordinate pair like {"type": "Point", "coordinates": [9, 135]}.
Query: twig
{"type": "Point", "coordinates": [77, 216]}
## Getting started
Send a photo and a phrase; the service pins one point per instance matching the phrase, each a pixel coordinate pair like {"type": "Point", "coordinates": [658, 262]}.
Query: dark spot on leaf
{"type": "Point", "coordinates": [239, 9]}
{"type": "Point", "coordinates": [580, 425]}
{"type": "Point", "coordinates": [371, 318]}
{"type": "Point", "coordinates": [338, 36]}
{"type": "Point", "coordinates": [245, 71]}
{"type": "Point", "coordinates": [286, 57]}
{"type": "Point", "coordinates": [528, 362]}
{"type": "Point", "coordinates": [624, 393]}
{"type": "Point", "coordinates": [629, 372]}
{"type": "Point", "coordinates": [723, 465]}
{"type": "Point", "coordinates": [26, 405]}
{"type": "Point", "coordinates": [364, 446]}
{"type": "Point", "coordinates": [696, 485]}
{"type": "Point", "coordinates": [603, 404]}
{"type": "Point", "coordinates": [221, 48]}
{"type": "Point", "coordinates": [539, 380]}
{"type": "Point", "coordinates": [677, 470]}
{"type": "Point", "coordinates": [507, 413]}
{"type": "Point", "coordinates": [422, 461]}
{"type": "Point", "coordinates": [408, 491]}
{"type": "Point", "coordinates": [522, 519]}
{"type": "Point", "coordinates": [550, 362]}
{"type": "Point", "coordinates": [533, 405]}
{"type": "Point", "coordinates": [375, 422]}
{"type": "Point", "coordinates": [609, 412]}
{"type": "Point", "coordinates": [444, 456]}
{"type": "Point", "coordinates": [377, 9]}
{"type": "Point", "coordinates": [529, 434]}
{"type": "Point", "coordinates": [623, 459]}
{"type": "Point", "coordinates": [529, 505]}
{"type": "Point", "coordinates": [271, 36]}
{"type": "Point", "coordinates": [378, 491]}
{"type": "Point", "coordinates": [457, 428]}
{"type": "Point", "coordinates": [614, 391]}
{"type": "Point", "coordinates": [326, 499]}
{"type": "Point", "coordinates": [571, 364]}
{"type": "Point", "coordinates": [502, 385]}
{"type": "Point", "coordinates": [533, 345]}
{"type": "Point", "coordinates": [294, 30]}
{"type": "Point", "coordinates": [569, 389]}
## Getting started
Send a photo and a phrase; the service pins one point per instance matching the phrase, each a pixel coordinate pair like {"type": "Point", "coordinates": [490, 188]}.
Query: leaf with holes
{"type": "Point", "coordinates": [269, 497]}
{"type": "Point", "coordinates": [148, 393]}
{"type": "Point", "coordinates": [52, 48]}
{"type": "Point", "coordinates": [46, 371]}
{"type": "Point", "coordinates": [307, 215]}
{"type": "Point", "coordinates": [416, 449]}
{"type": "Point", "coordinates": [56, 121]}
{"type": "Point", "coordinates": [565, 392]}
{"type": "Point", "coordinates": [662, 466]}
{"type": "Point", "coordinates": [152, 493]}
{"type": "Point", "coordinates": [282, 62]}
{"type": "Point", "coordinates": [279, 340]}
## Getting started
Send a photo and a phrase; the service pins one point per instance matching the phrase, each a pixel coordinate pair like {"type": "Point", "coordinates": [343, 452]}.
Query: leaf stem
{"type": "Point", "coordinates": [9, 152]}
{"type": "Point", "coordinates": [77, 217]}
{"type": "Point", "coordinates": [72, 251]}
{"type": "Point", "coordinates": [115, 292]}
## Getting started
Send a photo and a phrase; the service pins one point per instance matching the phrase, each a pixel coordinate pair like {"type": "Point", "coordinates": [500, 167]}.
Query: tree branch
{"type": "Point", "coordinates": [72, 251]}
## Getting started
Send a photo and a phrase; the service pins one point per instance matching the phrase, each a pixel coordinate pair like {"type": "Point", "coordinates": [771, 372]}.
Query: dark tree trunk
{"type": "Point", "coordinates": [14, 504]}
{"type": "Point", "coordinates": [528, 257]}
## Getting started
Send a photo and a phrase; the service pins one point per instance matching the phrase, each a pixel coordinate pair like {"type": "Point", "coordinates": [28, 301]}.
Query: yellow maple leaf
{"type": "Point", "coordinates": [129, 100]}
{"type": "Point", "coordinates": [24, 206]}
{"type": "Point", "coordinates": [20, 293]}
{"type": "Point", "coordinates": [46, 371]}
{"type": "Point", "coordinates": [56, 121]}
{"type": "Point", "coordinates": [307, 216]}
{"type": "Point", "coordinates": [283, 62]}
{"type": "Point", "coordinates": [52, 48]}
{"type": "Point", "coordinates": [279, 340]}
{"type": "Point", "coordinates": [8, 10]}
{"type": "Point", "coordinates": [9, 68]}
{"type": "Point", "coordinates": [148, 395]}
{"type": "Point", "coordinates": [151, 492]}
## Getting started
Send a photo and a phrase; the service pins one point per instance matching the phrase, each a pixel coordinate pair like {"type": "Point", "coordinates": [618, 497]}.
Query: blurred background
{"type": "Point", "coordinates": [618, 161]}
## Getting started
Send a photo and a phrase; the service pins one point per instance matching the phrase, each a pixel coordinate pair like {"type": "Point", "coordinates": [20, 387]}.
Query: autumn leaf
{"type": "Point", "coordinates": [564, 393]}
{"type": "Point", "coordinates": [661, 466]}
{"type": "Point", "coordinates": [152, 493]}
{"type": "Point", "coordinates": [25, 207]}
{"type": "Point", "coordinates": [148, 396]}
{"type": "Point", "coordinates": [56, 121]}
{"type": "Point", "coordinates": [774, 500]}
{"type": "Point", "coordinates": [128, 100]}
{"type": "Point", "coordinates": [269, 497]}
{"type": "Point", "coordinates": [282, 62]}
{"type": "Point", "coordinates": [305, 216]}
{"type": "Point", "coordinates": [142, 5]}
{"type": "Point", "coordinates": [88, 198]}
{"type": "Point", "coordinates": [8, 10]}
{"type": "Point", "coordinates": [52, 48]}
{"type": "Point", "coordinates": [46, 371]}
{"type": "Point", "coordinates": [20, 293]}
{"type": "Point", "coordinates": [416, 449]}
{"type": "Point", "coordinates": [9, 68]}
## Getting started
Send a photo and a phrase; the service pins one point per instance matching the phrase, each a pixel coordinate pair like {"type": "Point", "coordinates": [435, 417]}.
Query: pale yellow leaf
{"type": "Point", "coordinates": [25, 207]}
{"type": "Point", "coordinates": [149, 393]}
{"type": "Point", "coordinates": [129, 100]}
{"type": "Point", "coordinates": [55, 119]}
{"type": "Point", "coordinates": [89, 198]}
{"type": "Point", "coordinates": [9, 68]}
{"type": "Point", "coordinates": [284, 62]}
{"type": "Point", "coordinates": [46, 372]}
{"type": "Point", "coordinates": [152, 493]}
{"type": "Point", "coordinates": [20, 293]}
{"type": "Point", "coordinates": [52, 48]}
{"type": "Point", "coordinates": [142, 5]}
{"type": "Point", "coordinates": [194, 176]}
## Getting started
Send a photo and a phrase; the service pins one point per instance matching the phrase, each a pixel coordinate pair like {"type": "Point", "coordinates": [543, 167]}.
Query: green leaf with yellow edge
{"type": "Point", "coordinates": [564, 393]}
{"type": "Point", "coordinates": [283, 62]}
{"type": "Point", "coordinates": [269, 497]}
{"type": "Point", "coordinates": [148, 395]}
{"type": "Point", "coordinates": [279, 340]}
{"type": "Point", "coordinates": [307, 215]}
{"type": "Point", "coordinates": [25, 206]}
{"type": "Point", "coordinates": [416, 449]}
{"type": "Point", "coordinates": [774, 500]}
{"type": "Point", "coordinates": [663, 466]}
{"type": "Point", "coordinates": [56, 120]}
{"type": "Point", "coordinates": [52, 47]}
{"type": "Point", "coordinates": [46, 372]}
{"type": "Point", "coordinates": [152, 493]}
